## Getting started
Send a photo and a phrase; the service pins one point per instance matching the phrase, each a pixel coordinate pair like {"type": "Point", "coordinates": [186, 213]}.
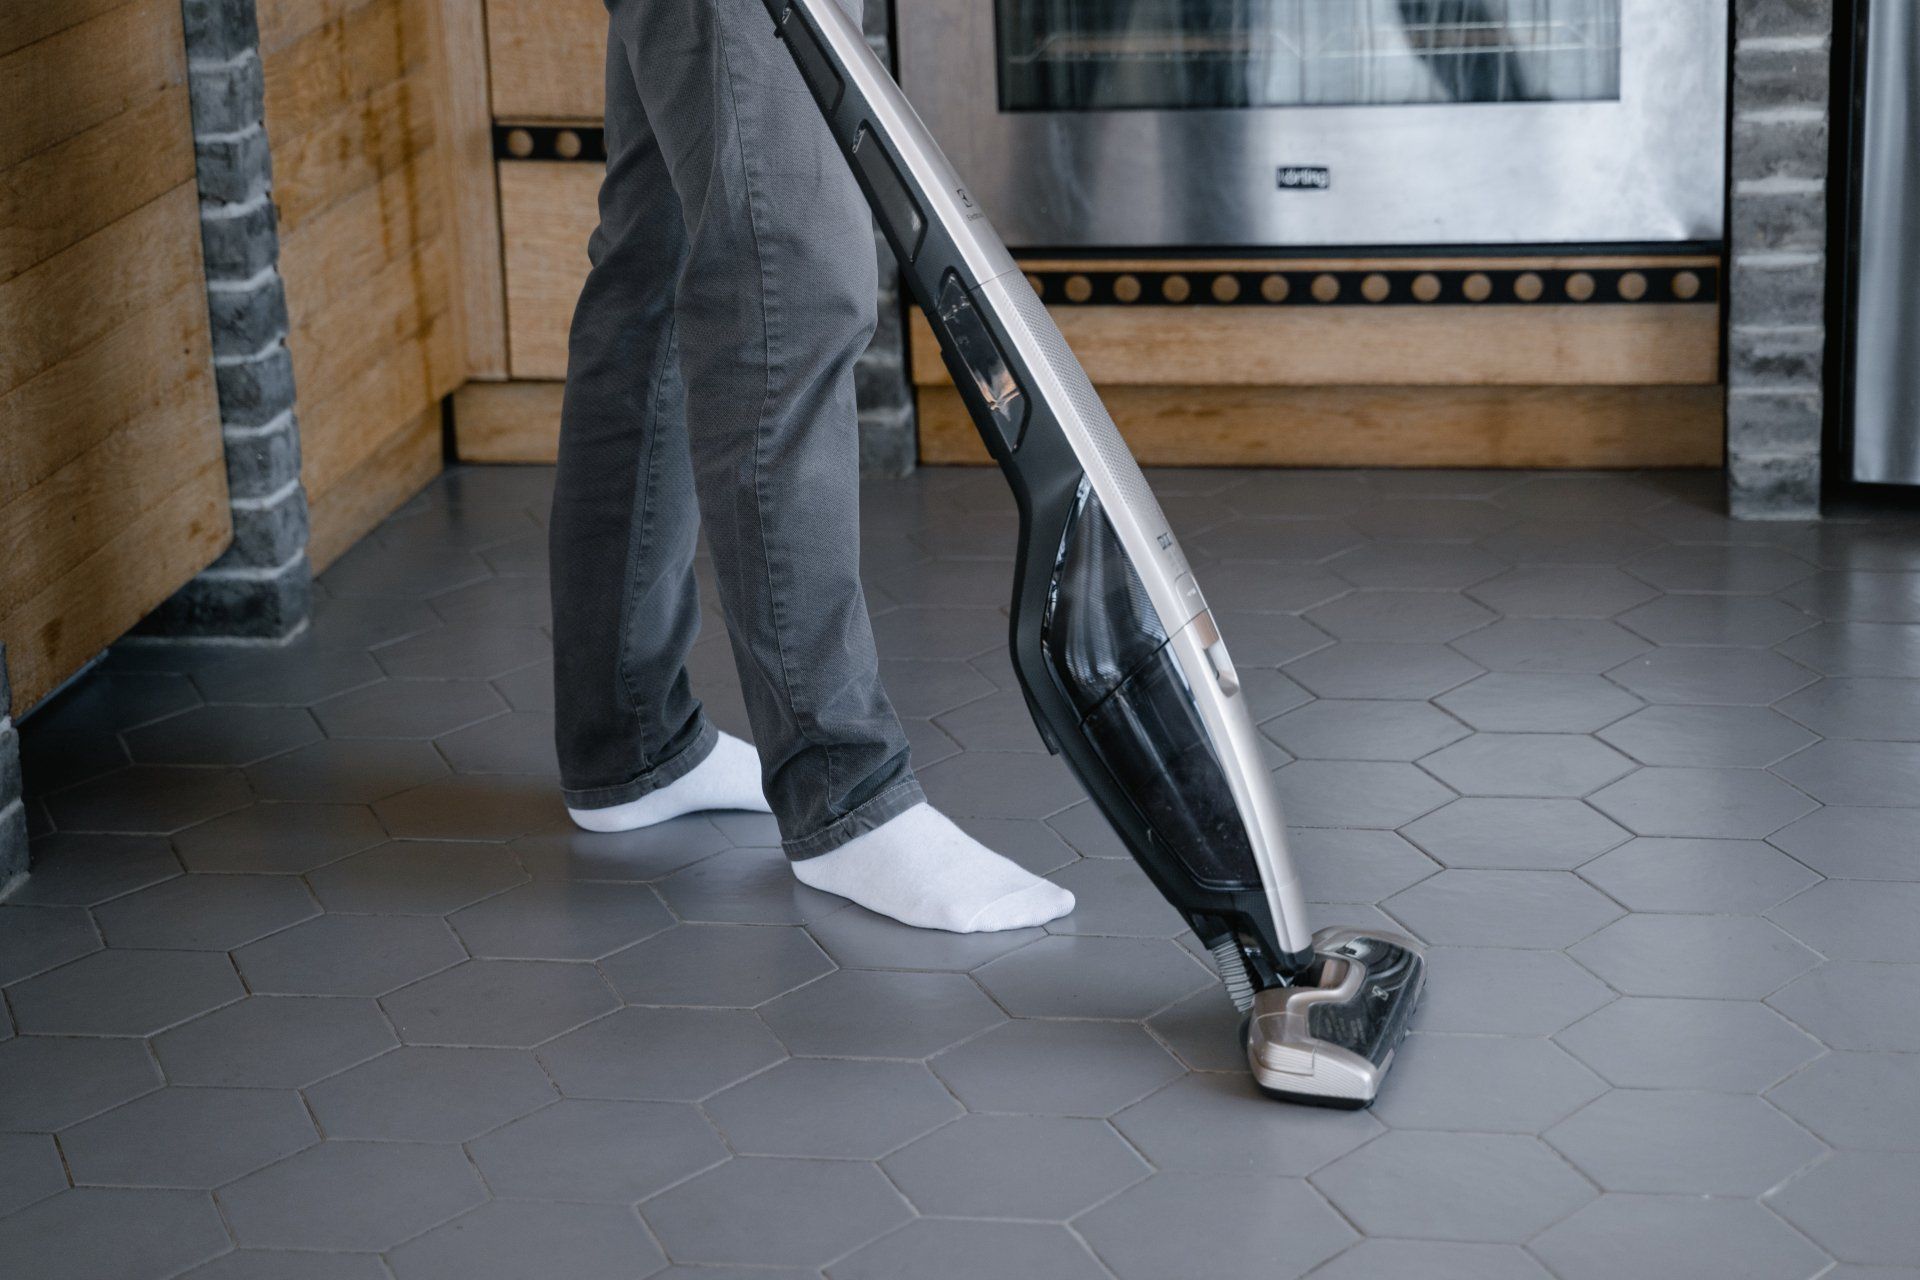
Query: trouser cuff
{"type": "Point", "coordinates": [668, 771]}
{"type": "Point", "coordinates": [891, 803]}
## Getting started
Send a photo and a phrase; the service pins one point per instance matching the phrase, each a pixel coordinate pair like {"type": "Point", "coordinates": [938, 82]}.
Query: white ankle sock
{"type": "Point", "coordinates": [729, 778]}
{"type": "Point", "coordinates": [921, 869]}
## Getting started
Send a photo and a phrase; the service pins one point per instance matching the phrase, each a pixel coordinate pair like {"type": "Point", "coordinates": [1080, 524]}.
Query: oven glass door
{"type": "Point", "coordinates": [1222, 124]}
{"type": "Point", "coordinates": [1167, 55]}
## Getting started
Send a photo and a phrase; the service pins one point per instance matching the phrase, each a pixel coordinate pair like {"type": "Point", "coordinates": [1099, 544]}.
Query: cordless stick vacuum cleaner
{"type": "Point", "coordinates": [1116, 650]}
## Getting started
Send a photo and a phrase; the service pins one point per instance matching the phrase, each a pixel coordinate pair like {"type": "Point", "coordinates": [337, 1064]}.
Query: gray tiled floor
{"type": "Point", "coordinates": [313, 980]}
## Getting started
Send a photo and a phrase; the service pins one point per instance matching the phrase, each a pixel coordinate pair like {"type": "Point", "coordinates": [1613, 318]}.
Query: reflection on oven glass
{"type": "Point", "coordinates": [1118, 55]}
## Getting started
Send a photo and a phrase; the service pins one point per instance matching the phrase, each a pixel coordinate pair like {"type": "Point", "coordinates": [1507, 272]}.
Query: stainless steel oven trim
{"type": "Point", "coordinates": [1647, 169]}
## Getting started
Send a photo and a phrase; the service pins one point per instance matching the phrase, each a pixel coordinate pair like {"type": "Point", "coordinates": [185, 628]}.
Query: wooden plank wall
{"type": "Point", "coordinates": [355, 111]}
{"type": "Point", "coordinates": [113, 484]}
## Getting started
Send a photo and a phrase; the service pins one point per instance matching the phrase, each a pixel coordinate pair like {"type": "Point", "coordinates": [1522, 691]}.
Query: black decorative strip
{"type": "Point", "coordinates": [550, 142]}
{"type": "Point", "coordinates": [1653, 283]}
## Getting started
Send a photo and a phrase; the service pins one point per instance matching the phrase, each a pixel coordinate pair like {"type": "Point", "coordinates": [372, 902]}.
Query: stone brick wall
{"type": "Point", "coordinates": [261, 589]}
{"type": "Point", "coordinates": [888, 442]}
{"type": "Point", "coordinates": [13, 813]}
{"type": "Point", "coordinates": [1777, 232]}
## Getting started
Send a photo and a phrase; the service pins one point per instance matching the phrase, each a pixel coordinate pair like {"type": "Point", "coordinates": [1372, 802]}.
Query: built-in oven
{"type": "Point", "coordinates": [1182, 124]}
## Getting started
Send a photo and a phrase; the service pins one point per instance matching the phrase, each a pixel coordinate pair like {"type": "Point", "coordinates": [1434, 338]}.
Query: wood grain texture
{"type": "Point", "coordinates": [547, 211]}
{"type": "Point", "coordinates": [387, 132]}
{"type": "Point", "coordinates": [72, 189]}
{"type": "Point", "coordinates": [382, 480]}
{"type": "Point", "coordinates": [87, 74]}
{"type": "Point", "coordinates": [358, 419]}
{"type": "Point", "coordinates": [346, 59]}
{"type": "Point", "coordinates": [1390, 346]}
{"type": "Point", "coordinates": [548, 59]}
{"type": "Point", "coordinates": [480, 292]}
{"type": "Point", "coordinates": [32, 20]}
{"type": "Point", "coordinates": [507, 421]}
{"type": "Point", "coordinates": [1214, 426]}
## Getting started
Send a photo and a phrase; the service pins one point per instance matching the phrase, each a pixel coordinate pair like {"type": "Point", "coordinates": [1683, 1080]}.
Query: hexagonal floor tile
{"type": "Point", "coordinates": [745, 886]}
{"type": "Point", "coordinates": [1855, 844]}
{"type": "Point", "coordinates": [1527, 764]}
{"type": "Point", "coordinates": [1721, 567]}
{"type": "Point", "coordinates": [630, 856]}
{"type": "Point", "coordinates": [352, 1196]}
{"type": "Point", "coordinates": [1276, 538]}
{"type": "Point", "coordinates": [954, 1249]}
{"type": "Point", "coordinates": [1856, 773]}
{"type": "Point", "coordinates": [286, 1264]}
{"type": "Point", "coordinates": [1857, 1006]}
{"type": "Point", "coordinates": [1539, 702]}
{"type": "Point", "coordinates": [1038, 1167]}
{"type": "Point", "coordinates": [592, 1150]}
{"type": "Point", "coordinates": [1858, 649]}
{"type": "Point", "coordinates": [1071, 977]}
{"type": "Point", "coordinates": [225, 735]}
{"type": "Point", "coordinates": [408, 708]}
{"type": "Point", "coordinates": [1578, 496]}
{"type": "Point", "coordinates": [1721, 620]}
{"type": "Point", "coordinates": [1496, 991]}
{"type": "Point", "coordinates": [1569, 645]}
{"type": "Point", "coordinates": [1676, 1235]}
{"type": "Point", "coordinates": [205, 913]}
{"type": "Point", "coordinates": [1724, 957]}
{"type": "Point", "coordinates": [273, 1042]}
{"type": "Point", "coordinates": [1705, 876]}
{"type": "Point", "coordinates": [1705, 675]}
{"type": "Point", "coordinates": [1049, 1067]}
{"type": "Point", "coordinates": [1731, 737]}
{"type": "Point", "coordinates": [177, 1137]}
{"type": "Point", "coordinates": [859, 939]}
{"type": "Point", "coordinates": [1561, 591]}
{"type": "Point", "coordinates": [55, 1081]}
{"type": "Point", "coordinates": [1491, 1187]}
{"type": "Point", "coordinates": [1516, 834]}
{"type": "Point", "coordinates": [1431, 1260]}
{"type": "Point", "coordinates": [343, 955]}
{"type": "Point", "coordinates": [505, 1003]}
{"type": "Point", "coordinates": [660, 1054]}
{"type": "Point", "coordinates": [416, 877]}
{"type": "Point", "coordinates": [1731, 804]}
{"type": "Point", "coordinates": [1400, 617]}
{"type": "Point", "coordinates": [1113, 897]}
{"type": "Point", "coordinates": [561, 921]}
{"type": "Point", "coordinates": [1357, 793]}
{"type": "Point", "coordinates": [868, 1014]}
{"type": "Point", "coordinates": [1484, 1084]}
{"type": "Point", "coordinates": [1001, 784]}
{"type": "Point", "coordinates": [728, 966]}
{"type": "Point", "coordinates": [1858, 1206]}
{"type": "Point", "coordinates": [1362, 729]}
{"type": "Point", "coordinates": [1356, 669]}
{"type": "Point", "coordinates": [1548, 909]}
{"type": "Point", "coordinates": [466, 807]}
{"type": "Point", "coordinates": [1859, 1100]}
{"type": "Point", "coordinates": [286, 838]}
{"type": "Point", "coordinates": [347, 772]}
{"type": "Point", "coordinates": [1415, 565]}
{"type": "Point", "coordinates": [1856, 920]}
{"type": "Point", "coordinates": [1644, 1042]}
{"type": "Point", "coordinates": [419, 1094]}
{"type": "Point", "coordinates": [124, 993]}
{"type": "Point", "coordinates": [294, 676]}
{"type": "Point", "coordinates": [36, 939]}
{"type": "Point", "coordinates": [1357, 866]}
{"type": "Point", "coordinates": [131, 1235]}
{"type": "Point", "coordinates": [767, 1212]}
{"type": "Point", "coordinates": [463, 653]}
{"type": "Point", "coordinates": [516, 1237]}
{"type": "Point", "coordinates": [831, 1108]}
{"type": "Point", "coordinates": [517, 742]}
{"type": "Point", "coordinates": [1246, 1222]}
{"type": "Point", "coordinates": [30, 1170]}
{"type": "Point", "coordinates": [1562, 541]}
{"type": "Point", "coordinates": [149, 798]}
{"type": "Point", "coordinates": [82, 869]}
{"type": "Point", "coordinates": [1217, 1121]}
{"type": "Point", "coordinates": [1684, 1142]}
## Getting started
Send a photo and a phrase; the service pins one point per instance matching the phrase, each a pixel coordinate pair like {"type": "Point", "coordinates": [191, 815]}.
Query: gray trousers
{"type": "Point", "coordinates": [710, 384]}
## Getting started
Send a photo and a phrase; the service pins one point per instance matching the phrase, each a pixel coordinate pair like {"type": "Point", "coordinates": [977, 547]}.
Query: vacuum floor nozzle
{"type": "Point", "coordinates": [1329, 1038]}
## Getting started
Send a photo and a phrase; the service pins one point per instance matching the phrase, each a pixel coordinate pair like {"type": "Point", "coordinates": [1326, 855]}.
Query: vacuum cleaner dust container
{"type": "Point", "coordinates": [1115, 647]}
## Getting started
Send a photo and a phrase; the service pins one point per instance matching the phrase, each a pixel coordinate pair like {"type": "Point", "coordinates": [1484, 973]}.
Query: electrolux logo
{"type": "Point", "coordinates": [1304, 177]}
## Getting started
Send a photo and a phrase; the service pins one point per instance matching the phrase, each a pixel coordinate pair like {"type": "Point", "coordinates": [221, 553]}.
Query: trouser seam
{"type": "Point", "coordinates": [637, 547]}
{"type": "Point", "coordinates": [649, 780]}
{"type": "Point", "coordinates": [867, 816]}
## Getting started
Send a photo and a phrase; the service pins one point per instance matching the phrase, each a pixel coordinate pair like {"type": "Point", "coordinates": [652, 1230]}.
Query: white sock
{"type": "Point", "coordinates": [729, 778]}
{"type": "Point", "coordinates": [922, 870]}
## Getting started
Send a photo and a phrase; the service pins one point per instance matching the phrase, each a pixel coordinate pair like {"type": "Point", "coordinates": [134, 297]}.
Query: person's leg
{"type": "Point", "coordinates": [775, 303]}
{"type": "Point", "coordinates": [633, 745]}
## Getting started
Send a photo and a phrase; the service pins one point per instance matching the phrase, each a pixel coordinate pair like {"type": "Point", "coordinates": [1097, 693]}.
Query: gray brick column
{"type": "Point", "coordinates": [261, 589]}
{"type": "Point", "coordinates": [889, 444]}
{"type": "Point", "coordinates": [1777, 231]}
{"type": "Point", "coordinates": [13, 812]}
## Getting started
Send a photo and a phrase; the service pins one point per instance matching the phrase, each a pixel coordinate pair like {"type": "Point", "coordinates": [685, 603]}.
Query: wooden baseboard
{"type": "Point", "coordinates": [507, 421]}
{"type": "Point", "coordinates": [1579, 427]}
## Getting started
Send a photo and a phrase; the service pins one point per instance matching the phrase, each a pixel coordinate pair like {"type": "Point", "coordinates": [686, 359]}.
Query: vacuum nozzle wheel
{"type": "Point", "coordinates": [1328, 1039]}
